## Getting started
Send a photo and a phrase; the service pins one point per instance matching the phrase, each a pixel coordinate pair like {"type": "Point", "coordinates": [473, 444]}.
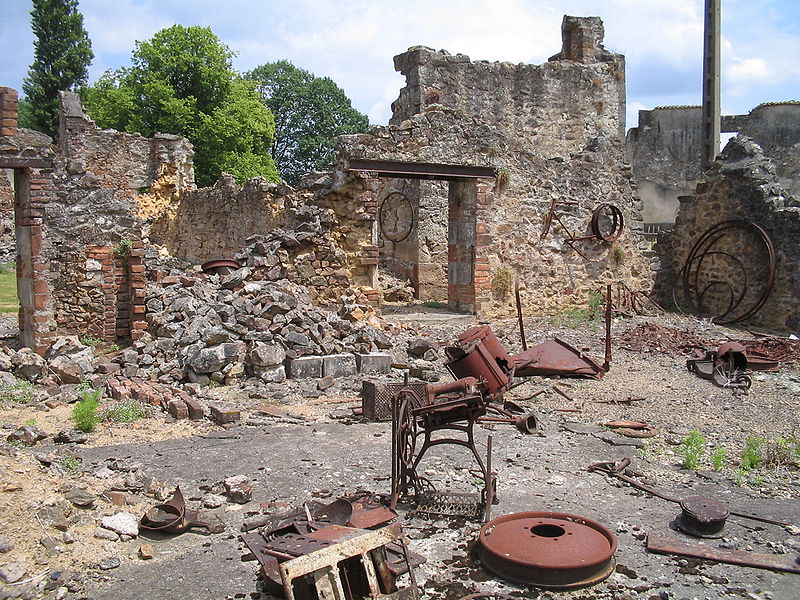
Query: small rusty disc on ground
{"type": "Point", "coordinates": [702, 517]}
{"type": "Point", "coordinates": [220, 267]}
{"type": "Point", "coordinates": [548, 550]}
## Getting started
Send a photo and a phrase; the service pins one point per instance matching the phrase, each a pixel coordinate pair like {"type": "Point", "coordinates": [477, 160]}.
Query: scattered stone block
{"type": "Point", "coordinates": [270, 374]}
{"type": "Point", "coordinates": [238, 489]}
{"type": "Point", "coordinates": [222, 414]}
{"type": "Point", "coordinates": [13, 572]}
{"type": "Point", "coordinates": [105, 534]}
{"type": "Point", "coordinates": [374, 363]}
{"type": "Point", "coordinates": [196, 410]}
{"type": "Point", "coordinates": [79, 497]}
{"type": "Point", "coordinates": [266, 355]}
{"type": "Point", "coordinates": [146, 551]}
{"type": "Point", "coordinates": [339, 365]}
{"type": "Point", "coordinates": [112, 562]}
{"type": "Point", "coordinates": [178, 409]}
{"type": "Point", "coordinates": [116, 498]}
{"type": "Point", "coordinates": [71, 436]}
{"type": "Point", "coordinates": [122, 523]}
{"type": "Point", "coordinates": [304, 367]}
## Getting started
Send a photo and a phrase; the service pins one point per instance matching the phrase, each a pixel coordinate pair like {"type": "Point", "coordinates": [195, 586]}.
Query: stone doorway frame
{"type": "Point", "coordinates": [470, 196]}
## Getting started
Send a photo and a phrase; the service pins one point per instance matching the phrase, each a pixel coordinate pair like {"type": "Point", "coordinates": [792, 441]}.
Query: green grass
{"type": "Point", "coordinates": [9, 302]}
{"type": "Point", "coordinates": [751, 455]}
{"type": "Point", "coordinates": [127, 411]}
{"type": "Point", "coordinates": [20, 392]}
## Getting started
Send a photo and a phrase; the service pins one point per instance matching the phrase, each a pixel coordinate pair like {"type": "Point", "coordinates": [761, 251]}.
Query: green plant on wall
{"type": "Point", "coordinates": [123, 248]}
{"type": "Point", "coordinates": [502, 281]}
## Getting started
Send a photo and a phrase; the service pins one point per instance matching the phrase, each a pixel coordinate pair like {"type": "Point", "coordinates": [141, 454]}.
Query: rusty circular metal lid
{"type": "Point", "coordinates": [547, 549]}
{"type": "Point", "coordinates": [702, 516]}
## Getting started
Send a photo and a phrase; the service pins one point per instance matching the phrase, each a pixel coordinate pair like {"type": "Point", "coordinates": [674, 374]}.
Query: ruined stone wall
{"type": "Point", "coordinates": [743, 186]}
{"type": "Point", "coordinates": [554, 132]}
{"type": "Point", "coordinates": [665, 152]}
{"type": "Point", "coordinates": [776, 128]}
{"type": "Point", "coordinates": [213, 223]}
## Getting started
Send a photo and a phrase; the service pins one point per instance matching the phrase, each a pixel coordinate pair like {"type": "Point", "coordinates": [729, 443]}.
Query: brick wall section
{"type": "Point", "coordinates": [9, 111]}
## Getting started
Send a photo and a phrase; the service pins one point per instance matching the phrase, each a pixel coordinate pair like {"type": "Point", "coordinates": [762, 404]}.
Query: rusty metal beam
{"type": "Point", "coordinates": [776, 562]}
{"type": "Point", "coordinates": [414, 170]}
{"type": "Point", "coordinates": [17, 162]}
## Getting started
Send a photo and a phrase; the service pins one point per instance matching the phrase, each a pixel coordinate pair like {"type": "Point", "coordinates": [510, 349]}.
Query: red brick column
{"type": "Point", "coordinates": [484, 241]}
{"type": "Point", "coordinates": [35, 190]}
{"type": "Point", "coordinates": [9, 111]}
{"type": "Point", "coordinates": [136, 268]}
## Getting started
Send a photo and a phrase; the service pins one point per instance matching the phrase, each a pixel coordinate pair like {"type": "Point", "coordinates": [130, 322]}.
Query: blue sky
{"type": "Point", "coordinates": [353, 41]}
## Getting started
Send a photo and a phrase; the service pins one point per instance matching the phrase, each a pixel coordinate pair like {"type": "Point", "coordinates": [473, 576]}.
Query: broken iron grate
{"type": "Point", "coordinates": [376, 398]}
{"type": "Point", "coordinates": [450, 504]}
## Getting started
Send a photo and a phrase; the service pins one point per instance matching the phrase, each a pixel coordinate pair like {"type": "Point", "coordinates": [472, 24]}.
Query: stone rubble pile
{"type": "Point", "coordinates": [224, 328]}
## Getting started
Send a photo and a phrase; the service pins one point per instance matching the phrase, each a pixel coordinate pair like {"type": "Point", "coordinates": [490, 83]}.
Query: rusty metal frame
{"type": "Point", "coordinates": [617, 227]}
{"type": "Point", "coordinates": [412, 224]}
{"type": "Point", "coordinates": [663, 544]}
{"type": "Point", "coordinates": [322, 567]}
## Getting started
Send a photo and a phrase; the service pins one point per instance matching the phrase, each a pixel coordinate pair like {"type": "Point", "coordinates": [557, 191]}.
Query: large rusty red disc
{"type": "Point", "coordinates": [546, 549]}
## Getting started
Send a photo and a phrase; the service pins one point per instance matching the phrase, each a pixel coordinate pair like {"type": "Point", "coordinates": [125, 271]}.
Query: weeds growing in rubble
{"type": "Point", "coordinates": [20, 392]}
{"type": "Point", "coordinates": [718, 458]}
{"type": "Point", "coordinates": [70, 464]}
{"type": "Point", "coordinates": [84, 414]}
{"type": "Point", "coordinates": [751, 455]}
{"type": "Point", "coordinates": [692, 448]}
{"type": "Point", "coordinates": [90, 340]}
{"type": "Point", "coordinates": [125, 412]}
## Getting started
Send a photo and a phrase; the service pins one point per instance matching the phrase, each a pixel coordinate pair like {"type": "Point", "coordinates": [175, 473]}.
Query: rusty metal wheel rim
{"type": "Point", "coordinates": [548, 550]}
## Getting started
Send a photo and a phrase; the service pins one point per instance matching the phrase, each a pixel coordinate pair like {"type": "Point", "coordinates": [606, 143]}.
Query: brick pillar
{"type": "Point", "coordinates": [33, 190]}
{"type": "Point", "coordinates": [461, 248]}
{"type": "Point", "coordinates": [9, 111]}
{"type": "Point", "coordinates": [368, 251]}
{"type": "Point", "coordinates": [138, 309]}
{"type": "Point", "coordinates": [484, 197]}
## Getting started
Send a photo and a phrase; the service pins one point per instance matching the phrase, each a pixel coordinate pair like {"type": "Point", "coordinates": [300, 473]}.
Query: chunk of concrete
{"type": "Point", "coordinates": [304, 367]}
{"type": "Point", "coordinates": [374, 363]}
{"type": "Point", "coordinates": [338, 365]}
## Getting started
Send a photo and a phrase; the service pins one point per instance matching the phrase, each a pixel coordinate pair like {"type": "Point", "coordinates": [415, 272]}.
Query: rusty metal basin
{"type": "Point", "coordinates": [548, 550]}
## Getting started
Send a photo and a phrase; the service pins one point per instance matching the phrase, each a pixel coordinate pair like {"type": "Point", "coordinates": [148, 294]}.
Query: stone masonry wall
{"type": "Point", "coordinates": [554, 132]}
{"type": "Point", "coordinates": [742, 185]}
{"type": "Point", "coordinates": [665, 150]}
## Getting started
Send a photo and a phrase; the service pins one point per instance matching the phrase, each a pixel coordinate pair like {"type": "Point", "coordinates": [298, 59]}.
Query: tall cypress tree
{"type": "Point", "coordinates": [62, 54]}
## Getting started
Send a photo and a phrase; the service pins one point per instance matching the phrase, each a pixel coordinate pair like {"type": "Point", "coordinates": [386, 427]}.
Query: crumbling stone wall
{"type": "Point", "coordinates": [741, 185]}
{"type": "Point", "coordinates": [554, 132]}
{"type": "Point", "coordinates": [665, 150]}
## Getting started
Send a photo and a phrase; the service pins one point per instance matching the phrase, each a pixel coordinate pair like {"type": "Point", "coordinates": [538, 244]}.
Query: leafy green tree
{"type": "Point", "coordinates": [309, 113]}
{"type": "Point", "coordinates": [181, 81]}
{"type": "Point", "coordinates": [62, 55]}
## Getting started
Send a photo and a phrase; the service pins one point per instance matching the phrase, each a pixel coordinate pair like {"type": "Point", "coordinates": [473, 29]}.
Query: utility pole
{"type": "Point", "coordinates": [711, 102]}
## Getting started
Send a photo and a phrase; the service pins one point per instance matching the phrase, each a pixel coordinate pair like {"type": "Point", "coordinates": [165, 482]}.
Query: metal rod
{"type": "Point", "coordinates": [607, 361]}
{"type": "Point", "coordinates": [519, 316]}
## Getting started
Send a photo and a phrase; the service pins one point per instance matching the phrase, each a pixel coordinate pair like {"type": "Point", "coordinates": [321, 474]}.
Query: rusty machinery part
{"type": "Point", "coordinates": [725, 367]}
{"type": "Point", "coordinates": [396, 217]}
{"type": "Point", "coordinates": [776, 562]}
{"type": "Point", "coordinates": [702, 517]}
{"type": "Point", "coordinates": [547, 549]}
{"type": "Point", "coordinates": [555, 357]}
{"type": "Point", "coordinates": [450, 414]}
{"type": "Point", "coordinates": [691, 274]}
{"type": "Point", "coordinates": [617, 470]}
{"type": "Point", "coordinates": [220, 267]}
{"type": "Point", "coordinates": [607, 223]}
{"type": "Point", "coordinates": [173, 517]}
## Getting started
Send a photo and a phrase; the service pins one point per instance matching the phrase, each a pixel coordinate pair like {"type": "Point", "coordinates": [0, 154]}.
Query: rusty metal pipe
{"type": "Point", "coordinates": [519, 316]}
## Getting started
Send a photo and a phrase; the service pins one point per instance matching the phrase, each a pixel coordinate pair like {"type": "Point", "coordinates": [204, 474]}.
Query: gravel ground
{"type": "Point", "coordinates": [316, 447]}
